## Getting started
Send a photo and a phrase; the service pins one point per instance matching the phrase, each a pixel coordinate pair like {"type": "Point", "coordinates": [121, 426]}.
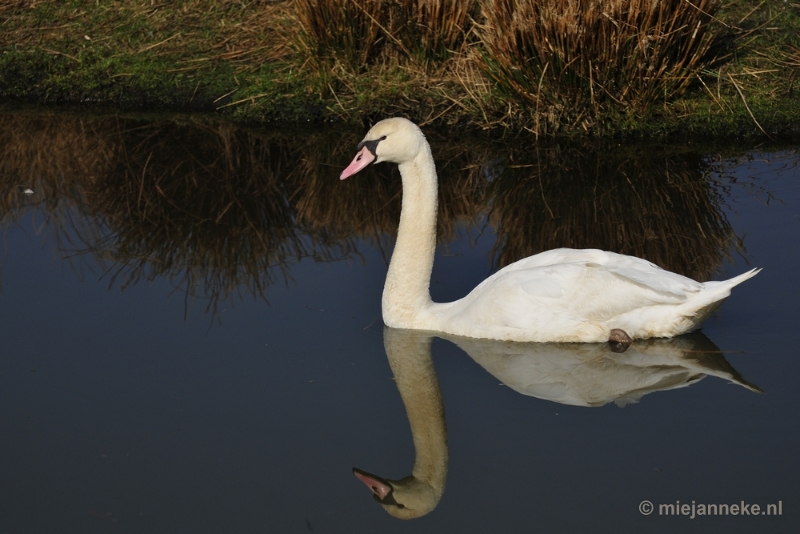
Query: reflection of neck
{"type": "Point", "coordinates": [410, 358]}
{"type": "Point", "coordinates": [406, 292]}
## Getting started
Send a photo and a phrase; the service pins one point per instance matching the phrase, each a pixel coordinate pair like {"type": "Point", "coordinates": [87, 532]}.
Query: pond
{"type": "Point", "coordinates": [192, 339]}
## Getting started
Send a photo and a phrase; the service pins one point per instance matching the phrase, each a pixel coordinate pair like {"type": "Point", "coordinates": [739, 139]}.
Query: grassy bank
{"type": "Point", "coordinates": [262, 61]}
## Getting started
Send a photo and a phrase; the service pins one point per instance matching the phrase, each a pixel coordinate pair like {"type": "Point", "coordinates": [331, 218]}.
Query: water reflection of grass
{"type": "Point", "coordinates": [222, 211]}
{"type": "Point", "coordinates": [647, 201]}
{"type": "Point", "coordinates": [198, 204]}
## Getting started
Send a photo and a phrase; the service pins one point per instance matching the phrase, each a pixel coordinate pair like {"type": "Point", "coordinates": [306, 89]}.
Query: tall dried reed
{"type": "Point", "coordinates": [359, 33]}
{"type": "Point", "coordinates": [431, 29]}
{"type": "Point", "coordinates": [346, 31]}
{"type": "Point", "coordinates": [576, 58]}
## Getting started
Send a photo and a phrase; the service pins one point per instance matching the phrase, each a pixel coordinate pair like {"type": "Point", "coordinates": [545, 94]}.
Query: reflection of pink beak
{"type": "Point", "coordinates": [378, 486]}
{"type": "Point", "coordinates": [362, 159]}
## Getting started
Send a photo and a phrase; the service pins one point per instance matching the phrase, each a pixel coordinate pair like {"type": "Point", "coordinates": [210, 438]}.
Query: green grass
{"type": "Point", "coordinates": [248, 61]}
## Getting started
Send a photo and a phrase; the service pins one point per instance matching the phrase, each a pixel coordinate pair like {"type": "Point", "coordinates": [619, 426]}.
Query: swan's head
{"type": "Point", "coordinates": [395, 140]}
{"type": "Point", "coordinates": [404, 499]}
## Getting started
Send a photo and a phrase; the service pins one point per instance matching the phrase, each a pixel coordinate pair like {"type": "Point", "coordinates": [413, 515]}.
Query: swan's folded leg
{"type": "Point", "coordinates": [619, 340]}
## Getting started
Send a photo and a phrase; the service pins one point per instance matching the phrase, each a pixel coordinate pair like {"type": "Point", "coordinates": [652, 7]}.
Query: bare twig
{"type": "Point", "coordinates": [748, 107]}
{"type": "Point", "coordinates": [388, 33]}
{"type": "Point", "coordinates": [252, 98]}
{"type": "Point", "coordinates": [146, 48]}
{"type": "Point", "coordinates": [49, 51]}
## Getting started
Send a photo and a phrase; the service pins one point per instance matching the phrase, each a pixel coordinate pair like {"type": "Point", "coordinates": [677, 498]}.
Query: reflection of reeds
{"type": "Point", "coordinates": [223, 211]}
{"type": "Point", "coordinates": [203, 206]}
{"type": "Point", "coordinates": [647, 202]}
{"type": "Point", "coordinates": [56, 158]}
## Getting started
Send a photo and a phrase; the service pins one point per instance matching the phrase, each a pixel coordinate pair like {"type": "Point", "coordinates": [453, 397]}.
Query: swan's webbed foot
{"type": "Point", "coordinates": [619, 340]}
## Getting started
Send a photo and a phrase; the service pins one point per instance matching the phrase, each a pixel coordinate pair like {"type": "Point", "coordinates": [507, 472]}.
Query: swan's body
{"type": "Point", "coordinates": [561, 295]}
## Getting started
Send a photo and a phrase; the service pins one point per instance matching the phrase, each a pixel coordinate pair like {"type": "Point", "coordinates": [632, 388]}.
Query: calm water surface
{"type": "Point", "coordinates": [191, 338]}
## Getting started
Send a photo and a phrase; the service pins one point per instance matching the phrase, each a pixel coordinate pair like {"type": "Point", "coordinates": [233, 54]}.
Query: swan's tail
{"type": "Point", "coordinates": [712, 295]}
{"type": "Point", "coordinates": [725, 286]}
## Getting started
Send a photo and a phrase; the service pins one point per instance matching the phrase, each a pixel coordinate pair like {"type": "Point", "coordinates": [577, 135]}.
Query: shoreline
{"type": "Point", "coordinates": [242, 65]}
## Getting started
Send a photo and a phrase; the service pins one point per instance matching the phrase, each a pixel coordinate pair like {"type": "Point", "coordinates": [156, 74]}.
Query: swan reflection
{"type": "Point", "coordinates": [409, 354]}
{"type": "Point", "coordinates": [594, 374]}
{"type": "Point", "coordinates": [576, 374]}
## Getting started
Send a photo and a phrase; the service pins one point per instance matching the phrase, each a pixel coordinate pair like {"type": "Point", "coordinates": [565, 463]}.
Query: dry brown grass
{"type": "Point", "coordinates": [198, 33]}
{"type": "Point", "coordinates": [545, 65]}
{"type": "Point", "coordinates": [346, 31]}
{"type": "Point", "coordinates": [360, 33]}
{"type": "Point", "coordinates": [572, 59]}
{"type": "Point", "coordinates": [791, 60]}
{"type": "Point", "coordinates": [583, 65]}
{"type": "Point", "coordinates": [433, 29]}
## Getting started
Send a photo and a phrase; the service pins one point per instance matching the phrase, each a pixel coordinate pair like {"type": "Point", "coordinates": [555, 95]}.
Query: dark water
{"type": "Point", "coordinates": [191, 337]}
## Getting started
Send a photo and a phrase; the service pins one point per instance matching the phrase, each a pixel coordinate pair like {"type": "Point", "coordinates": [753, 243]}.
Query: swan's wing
{"type": "Point", "coordinates": [579, 295]}
{"type": "Point", "coordinates": [553, 273]}
{"type": "Point", "coordinates": [657, 279]}
{"type": "Point", "coordinates": [567, 301]}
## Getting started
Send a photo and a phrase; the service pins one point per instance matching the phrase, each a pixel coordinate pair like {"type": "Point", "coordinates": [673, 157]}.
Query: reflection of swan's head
{"type": "Point", "coordinates": [408, 498]}
{"type": "Point", "coordinates": [395, 140]}
{"type": "Point", "coordinates": [409, 354]}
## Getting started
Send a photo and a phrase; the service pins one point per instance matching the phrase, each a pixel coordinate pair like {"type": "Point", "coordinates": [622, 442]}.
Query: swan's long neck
{"type": "Point", "coordinates": [406, 294]}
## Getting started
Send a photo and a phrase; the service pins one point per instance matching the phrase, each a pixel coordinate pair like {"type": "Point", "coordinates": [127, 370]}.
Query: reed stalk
{"type": "Point", "coordinates": [579, 58]}
{"type": "Point", "coordinates": [361, 33]}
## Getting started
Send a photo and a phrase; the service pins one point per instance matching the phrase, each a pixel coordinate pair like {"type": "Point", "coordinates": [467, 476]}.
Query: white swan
{"type": "Point", "coordinates": [561, 295]}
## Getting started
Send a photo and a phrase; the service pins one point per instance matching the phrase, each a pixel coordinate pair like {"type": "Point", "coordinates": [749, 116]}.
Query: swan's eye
{"type": "Point", "coordinates": [382, 138]}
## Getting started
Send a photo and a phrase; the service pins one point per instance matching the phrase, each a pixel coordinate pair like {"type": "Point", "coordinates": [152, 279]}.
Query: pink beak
{"type": "Point", "coordinates": [362, 159]}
